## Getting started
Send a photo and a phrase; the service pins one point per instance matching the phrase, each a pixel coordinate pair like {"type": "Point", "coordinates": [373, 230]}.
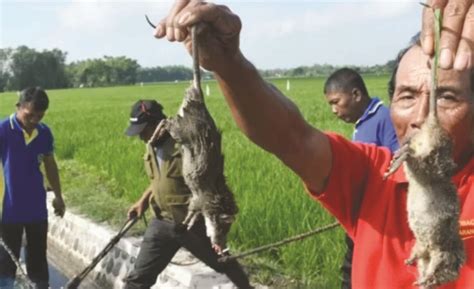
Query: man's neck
{"type": "Point", "coordinates": [365, 102]}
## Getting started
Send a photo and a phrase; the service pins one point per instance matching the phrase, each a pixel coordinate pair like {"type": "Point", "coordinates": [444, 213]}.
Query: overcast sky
{"type": "Point", "coordinates": [276, 34]}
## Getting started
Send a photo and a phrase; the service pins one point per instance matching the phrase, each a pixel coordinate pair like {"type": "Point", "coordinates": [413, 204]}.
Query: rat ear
{"type": "Point", "coordinates": [226, 218]}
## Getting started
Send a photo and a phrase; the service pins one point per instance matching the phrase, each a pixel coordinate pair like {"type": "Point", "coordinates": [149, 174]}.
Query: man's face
{"type": "Point", "coordinates": [344, 106]}
{"type": "Point", "coordinates": [28, 116]}
{"type": "Point", "coordinates": [410, 103]}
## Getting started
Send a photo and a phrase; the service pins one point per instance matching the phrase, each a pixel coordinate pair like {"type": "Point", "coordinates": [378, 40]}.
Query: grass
{"type": "Point", "coordinates": [102, 173]}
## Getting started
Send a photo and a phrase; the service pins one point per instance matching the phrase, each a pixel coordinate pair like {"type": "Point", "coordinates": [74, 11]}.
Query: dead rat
{"type": "Point", "coordinates": [203, 162]}
{"type": "Point", "coordinates": [432, 201]}
{"type": "Point", "coordinates": [433, 205]}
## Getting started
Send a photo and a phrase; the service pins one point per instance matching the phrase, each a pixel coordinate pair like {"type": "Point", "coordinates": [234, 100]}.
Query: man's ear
{"type": "Point", "coordinates": [356, 95]}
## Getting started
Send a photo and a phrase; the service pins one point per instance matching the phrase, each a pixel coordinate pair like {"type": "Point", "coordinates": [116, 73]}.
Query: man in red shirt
{"type": "Point", "coordinates": [323, 161]}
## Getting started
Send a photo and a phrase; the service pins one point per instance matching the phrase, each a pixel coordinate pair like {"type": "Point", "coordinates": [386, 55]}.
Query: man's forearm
{"type": "Point", "coordinates": [262, 112]}
{"type": "Point", "coordinates": [147, 193]}
{"type": "Point", "coordinates": [273, 122]}
{"type": "Point", "coordinates": [52, 175]}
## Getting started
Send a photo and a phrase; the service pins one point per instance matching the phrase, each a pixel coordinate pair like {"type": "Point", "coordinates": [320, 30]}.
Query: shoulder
{"type": "Point", "coordinates": [379, 115]}
{"type": "Point", "coordinates": [383, 110]}
{"type": "Point", "coordinates": [4, 120]}
{"type": "Point", "coordinates": [44, 130]}
{"type": "Point", "coordinates": [379, 109]}
{"type": "Point", "coordinates": [384, 115]}
{"type": "Point", "coordinates": [374, 114]}
{"type": "Point", "coordinates": [4, 124]}
{"type": "Point", "coordinates": [348, 153]}
{"type": "Point", "coordinates": [42, 127]}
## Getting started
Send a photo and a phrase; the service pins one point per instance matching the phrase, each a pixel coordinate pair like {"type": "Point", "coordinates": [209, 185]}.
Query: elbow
{"type": "Point", "coordinates": [292, 142]}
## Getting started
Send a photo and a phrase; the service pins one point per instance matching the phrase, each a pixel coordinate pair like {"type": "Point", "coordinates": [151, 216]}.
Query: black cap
{"type": "Point", "coordinates": [144, 112]}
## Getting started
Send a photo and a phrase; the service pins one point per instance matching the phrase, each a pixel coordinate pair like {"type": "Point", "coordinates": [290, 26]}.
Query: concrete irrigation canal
{"type": "Point", "coordinates": [73, 241]}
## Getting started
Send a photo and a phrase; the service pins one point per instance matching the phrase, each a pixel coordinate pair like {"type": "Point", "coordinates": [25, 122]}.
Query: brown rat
{"type": "Point", "coordinates": [203, 162]}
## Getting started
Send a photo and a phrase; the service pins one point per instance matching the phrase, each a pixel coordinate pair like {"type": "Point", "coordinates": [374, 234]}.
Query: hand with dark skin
{"type": "Point", "coordinates": [140, 207]}
{"type": "Point", "coordinates": [457, 35]}
{"type": "Point", "coordinates": [51, 169]}
{"type": "Point", "coordinates": [222, 42]}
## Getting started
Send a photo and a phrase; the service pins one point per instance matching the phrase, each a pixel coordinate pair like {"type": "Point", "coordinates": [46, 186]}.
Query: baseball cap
{"type": "Point", "coordinates": [142, 113]}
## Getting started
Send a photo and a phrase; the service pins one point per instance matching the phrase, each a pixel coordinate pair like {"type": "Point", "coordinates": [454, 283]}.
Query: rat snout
{"type": "Point", "coordinates": [219, 244]}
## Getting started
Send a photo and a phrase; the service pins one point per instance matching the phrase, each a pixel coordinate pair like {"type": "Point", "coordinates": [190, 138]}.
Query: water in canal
{"type": "Point", "coordinates": [56, 279]}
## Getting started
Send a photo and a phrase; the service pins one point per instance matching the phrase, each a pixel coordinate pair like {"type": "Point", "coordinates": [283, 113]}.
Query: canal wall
{"type": "Point", "coordinates": [73, 241]}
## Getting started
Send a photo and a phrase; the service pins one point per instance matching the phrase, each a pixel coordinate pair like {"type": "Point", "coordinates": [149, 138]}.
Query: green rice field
{"type": "Point", "coordinates": [102, 173]}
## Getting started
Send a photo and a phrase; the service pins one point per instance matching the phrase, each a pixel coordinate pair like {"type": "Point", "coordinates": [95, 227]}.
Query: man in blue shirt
{"type": "Point", "coordinates": [349, 100]}
{"type": "Point", "coordinates": [26, 143]}
{"type": "Point", "coordinates": [347, 95]}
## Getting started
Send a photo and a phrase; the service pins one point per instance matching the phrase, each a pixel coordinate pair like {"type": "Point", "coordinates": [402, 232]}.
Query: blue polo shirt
{"type": "Point", "coordinates": [24, 198]}
{"type": "Point", "coordinates": [375, 126]}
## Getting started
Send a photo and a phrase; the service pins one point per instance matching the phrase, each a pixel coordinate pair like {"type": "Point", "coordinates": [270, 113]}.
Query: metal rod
{"type": "Point", "coordinates": [17, 263]}
{"type": "Point", "coordinates": [280, 243]}
{"type": "Point", "coordinates": [74, 282]}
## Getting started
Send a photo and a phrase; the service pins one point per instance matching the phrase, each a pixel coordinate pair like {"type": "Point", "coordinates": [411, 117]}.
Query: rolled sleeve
{"type": "Point", "coordinates": [347, 182]}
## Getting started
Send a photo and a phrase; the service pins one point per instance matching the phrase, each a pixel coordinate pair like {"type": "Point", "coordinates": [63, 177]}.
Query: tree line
{"type": "Point", "coordinates": [22, 66]}
{"type": "Point", "coordinates": [318, 70]}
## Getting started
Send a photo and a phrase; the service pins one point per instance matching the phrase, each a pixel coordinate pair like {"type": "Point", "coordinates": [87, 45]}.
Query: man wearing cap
{"type": "Point", "coordinates": [25, 143]}
{"type": "Point", "coordinates": [168, 196]}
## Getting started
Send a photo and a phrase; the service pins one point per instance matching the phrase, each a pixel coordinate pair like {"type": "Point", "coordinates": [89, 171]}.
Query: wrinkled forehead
{"type": "Point", "coordinates": [415, 71]}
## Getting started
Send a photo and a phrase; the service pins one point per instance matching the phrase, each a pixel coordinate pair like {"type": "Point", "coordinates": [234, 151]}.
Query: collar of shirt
{"type": "Point", "coordinates": [14, 124]}
{"type": "Point", "coordinates": [374, 105]}
{"type": "Point", "coordinates": [30, 137]}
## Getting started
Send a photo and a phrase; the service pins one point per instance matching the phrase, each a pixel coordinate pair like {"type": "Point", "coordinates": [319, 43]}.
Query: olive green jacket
{"type": "Point", "coordinates": [170, 197]}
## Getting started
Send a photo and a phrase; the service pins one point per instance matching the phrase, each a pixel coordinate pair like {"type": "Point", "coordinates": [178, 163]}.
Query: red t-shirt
{"type": "Point", "coordinates": [373, 212]}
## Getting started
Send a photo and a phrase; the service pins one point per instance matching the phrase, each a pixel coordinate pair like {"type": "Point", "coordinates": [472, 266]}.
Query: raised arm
{"type": "Point", "coordinates": [262, 112]}
{"type": "Point", "coordinates": [274, 123]}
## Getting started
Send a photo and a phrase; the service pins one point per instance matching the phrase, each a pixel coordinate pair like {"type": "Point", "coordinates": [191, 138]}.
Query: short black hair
{"type": "Point", "coordinates": [345, 80]}
{"type": "Point", "coordinates": [36, 96]}
{"type": "Point", "coordinates": [415, 41]}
